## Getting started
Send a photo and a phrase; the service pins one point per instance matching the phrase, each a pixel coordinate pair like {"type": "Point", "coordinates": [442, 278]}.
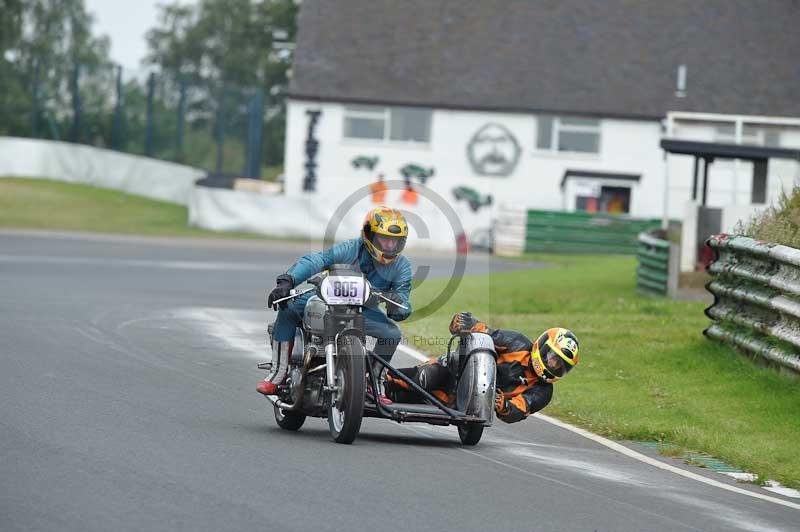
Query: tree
{"type": "Point", "coordinates": [43, 42]}
{"type": "Point", "coordinates": [226, 47]}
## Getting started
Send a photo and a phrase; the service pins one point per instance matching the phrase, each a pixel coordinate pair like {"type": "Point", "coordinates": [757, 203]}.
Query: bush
{"type": "Point", "coordinates": [779, 224]}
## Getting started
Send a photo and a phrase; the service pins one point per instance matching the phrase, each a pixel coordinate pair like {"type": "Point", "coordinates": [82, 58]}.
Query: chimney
{"type": "Point", "coordinates": [680, 86]}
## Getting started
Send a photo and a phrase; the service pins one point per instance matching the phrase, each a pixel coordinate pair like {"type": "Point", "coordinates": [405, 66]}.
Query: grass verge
{"type": "Point", "coordinates": [646, 371]}
{"type": "Point", "coordinates": [52, 205]}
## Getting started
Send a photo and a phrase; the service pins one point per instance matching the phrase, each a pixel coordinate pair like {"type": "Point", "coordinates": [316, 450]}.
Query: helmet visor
{"type": "Point", "coordinates": [389, 245]}
{"type": "Point", "coordinates": [554, 363]}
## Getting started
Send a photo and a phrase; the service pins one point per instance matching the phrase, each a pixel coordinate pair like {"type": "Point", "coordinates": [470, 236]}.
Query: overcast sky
{"type": "Point", "coordinates": [126, 23]}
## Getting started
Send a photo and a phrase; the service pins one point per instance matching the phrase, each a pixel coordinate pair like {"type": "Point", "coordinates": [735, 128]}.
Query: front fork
{"type": "Point", "coordinates": [330, 370]}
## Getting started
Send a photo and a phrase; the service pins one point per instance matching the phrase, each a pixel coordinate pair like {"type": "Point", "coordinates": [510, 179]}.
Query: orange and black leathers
{"type": "Point", "coordinates": [521, 392]}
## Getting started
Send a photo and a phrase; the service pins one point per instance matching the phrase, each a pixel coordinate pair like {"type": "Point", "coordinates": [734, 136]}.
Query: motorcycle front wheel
{"type": "Point", "coordinates": [346, 408]}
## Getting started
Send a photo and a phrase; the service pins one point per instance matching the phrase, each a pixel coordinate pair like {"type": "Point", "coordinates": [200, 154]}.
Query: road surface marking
{"type": "Point", "coordinates": [634, 454]}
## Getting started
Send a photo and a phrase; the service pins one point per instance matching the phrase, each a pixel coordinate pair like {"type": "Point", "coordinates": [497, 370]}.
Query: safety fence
{"type": "Point", "coordinates": [219, 127]}
{"type": "Point", "coordinates": [756, 288]}
{"type": "Point", "coordinates": [658, 258]}
{"type": "Point", "coordinates": [518, 231]}
{"type": "Point", "coordinates": [578, 232]}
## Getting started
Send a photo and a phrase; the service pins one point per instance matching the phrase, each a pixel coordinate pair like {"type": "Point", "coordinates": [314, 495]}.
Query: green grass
{"type": "Point", "coordinates": [777, 223]}
{"type": "Point", "coordinates": [646, 371]}
{"type": "Point", "coordinates": [51, 205]}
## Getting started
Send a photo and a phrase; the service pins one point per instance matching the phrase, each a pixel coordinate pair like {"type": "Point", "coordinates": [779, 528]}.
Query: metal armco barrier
{"type": "Point", "coordinates": [580, 232]}
{"type": "Point", "coordinates": [756, 288]}
{"type": "Point", "coordinates": [657, 272]}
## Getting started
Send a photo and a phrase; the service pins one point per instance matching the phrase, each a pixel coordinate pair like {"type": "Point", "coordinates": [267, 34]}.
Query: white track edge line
{"type": "Point", "coordinates": [634, 454]}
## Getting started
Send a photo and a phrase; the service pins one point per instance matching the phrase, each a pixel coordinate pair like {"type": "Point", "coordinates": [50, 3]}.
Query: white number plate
{"type": "Point", "coordinates": [345, 290]}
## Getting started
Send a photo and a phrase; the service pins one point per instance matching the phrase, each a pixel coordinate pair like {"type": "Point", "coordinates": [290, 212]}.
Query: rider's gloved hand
{"type": "Point", "coordinates": [466, 322]}
{"type": "Point", "coordinates": [395, 312]}
{"type": "Point", "coordinates": [500, 405]}
{"type": "Point", "coordinates": [395, 297]}
{"type": "Point", "coordinates": [283, 285]}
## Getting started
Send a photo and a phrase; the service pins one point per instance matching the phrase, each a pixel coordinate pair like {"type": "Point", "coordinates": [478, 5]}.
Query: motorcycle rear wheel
{"type": "Point", "coordinates": [289, 420]}
{"type": "Point", "coordinates": [470, 434]}
{"type": "Point", "coordinates": [346, 408]}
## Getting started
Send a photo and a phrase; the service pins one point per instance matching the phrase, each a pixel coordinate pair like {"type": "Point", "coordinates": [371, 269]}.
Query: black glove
{"type": "Point", "coordinates": [282, 287]}
{"type": "Point", "coordinates": [395, 312]}
{"type": "Point", "coordinates": [396, 298]}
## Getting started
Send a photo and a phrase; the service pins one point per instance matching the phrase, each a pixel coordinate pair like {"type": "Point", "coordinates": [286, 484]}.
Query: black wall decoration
{"type": "Point", "coordinates": [493, 151]}
{"type": "Point", "coordinates": [312, 147]}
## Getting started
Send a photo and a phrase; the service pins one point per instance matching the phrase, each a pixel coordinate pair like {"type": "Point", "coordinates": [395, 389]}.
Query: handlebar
{"type": "Point", "coordinates": [293, 293]}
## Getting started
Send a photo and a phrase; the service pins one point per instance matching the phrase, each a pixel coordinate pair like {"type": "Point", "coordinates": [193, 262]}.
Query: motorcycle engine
{"type": "Point", "coordinates": [294, 384]}
{"type": "Point", "coordinates": [313, 400]}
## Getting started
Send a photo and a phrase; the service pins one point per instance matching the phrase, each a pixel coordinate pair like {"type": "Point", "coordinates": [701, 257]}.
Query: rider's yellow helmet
{"type": "Point", "coordinates": [554, 354]}
{"type": "Point", "coordinates": [384, 233]}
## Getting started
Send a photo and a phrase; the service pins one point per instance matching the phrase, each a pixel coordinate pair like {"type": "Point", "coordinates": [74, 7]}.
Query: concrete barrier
{"type": "Point", "coordinates": [310, 216]}
{"type": "Point", "coordinates": [77, 163]}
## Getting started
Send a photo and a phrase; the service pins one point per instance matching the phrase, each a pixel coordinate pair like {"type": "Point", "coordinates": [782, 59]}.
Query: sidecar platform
{"type": "Point", "coordinates": [422, 413]}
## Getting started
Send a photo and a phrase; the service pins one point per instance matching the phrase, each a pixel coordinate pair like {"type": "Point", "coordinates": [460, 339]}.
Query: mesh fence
{"type": "Point", "coordinates": [217, 127]}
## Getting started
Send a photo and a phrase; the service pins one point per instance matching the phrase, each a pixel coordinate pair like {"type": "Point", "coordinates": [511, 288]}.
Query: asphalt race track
{"type": "Point", "coordinates": [127, 381]}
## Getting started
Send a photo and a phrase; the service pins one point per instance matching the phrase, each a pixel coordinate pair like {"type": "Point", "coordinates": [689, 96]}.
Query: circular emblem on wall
{"type": "Point", "coordinates": [493, 150]}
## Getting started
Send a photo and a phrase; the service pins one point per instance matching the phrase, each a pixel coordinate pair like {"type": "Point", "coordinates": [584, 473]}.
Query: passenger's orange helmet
{"type": "Point", "coordinates": [554, 354]}
{"type": "Point", "coordinates": [384, 233]}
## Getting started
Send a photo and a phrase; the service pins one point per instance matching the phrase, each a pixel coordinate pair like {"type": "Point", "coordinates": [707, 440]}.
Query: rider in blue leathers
{"type": "Point", "coordinates": [377, 253]}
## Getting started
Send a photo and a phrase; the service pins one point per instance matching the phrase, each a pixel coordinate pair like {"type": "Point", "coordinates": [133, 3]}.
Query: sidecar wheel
{"type": "Point", "coordinates": [470, 434]}
{"type": "Point", "coordinates": [289, 420]}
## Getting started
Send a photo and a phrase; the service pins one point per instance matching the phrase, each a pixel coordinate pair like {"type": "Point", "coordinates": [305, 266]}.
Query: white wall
{"type": "Point", "coordinates": [296, 216]}
{"type": "Point", "coordinates": [76, 163]}
{"type": "Point", "coordinates": [627, 146]}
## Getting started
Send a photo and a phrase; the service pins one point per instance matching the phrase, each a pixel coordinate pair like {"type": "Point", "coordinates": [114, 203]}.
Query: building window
{"type": "Point", "coordinates": [751, 134]}
{"type": "Point", "coordinates": [404, 124]}
{"type": "Point", "coordinates": [568, 134]}
{"type": "Point", "coordinates": [613, 200]}
{"type": "Point", "coordinates": [365, 122]}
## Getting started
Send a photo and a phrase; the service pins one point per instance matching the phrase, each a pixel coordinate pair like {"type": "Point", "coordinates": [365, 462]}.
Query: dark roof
{"type": "Point", "coordinates": [716, 150]}
{"type": "Point", "coordinates": [609, 58]}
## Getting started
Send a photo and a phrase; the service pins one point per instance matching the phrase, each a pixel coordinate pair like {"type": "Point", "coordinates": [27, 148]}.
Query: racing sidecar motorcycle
{"type": "Point", "coordinates": [329, 370]}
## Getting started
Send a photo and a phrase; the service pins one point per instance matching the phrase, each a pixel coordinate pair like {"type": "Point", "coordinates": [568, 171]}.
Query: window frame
{"type": "Point", "coordinates": [557, 126]}
{"type": "Point", "coordinates": [353, 111]}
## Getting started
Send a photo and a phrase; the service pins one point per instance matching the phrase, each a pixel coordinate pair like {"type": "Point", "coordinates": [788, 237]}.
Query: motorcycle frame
{"type": "Point", "coordinates": [455, 417]}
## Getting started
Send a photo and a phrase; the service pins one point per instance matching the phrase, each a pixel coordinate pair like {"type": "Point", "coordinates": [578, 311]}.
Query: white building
{"type": "Point", "coordinates": [556, 105]}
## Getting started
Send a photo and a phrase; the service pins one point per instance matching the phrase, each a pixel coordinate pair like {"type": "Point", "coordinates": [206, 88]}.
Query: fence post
{"type": "Point", "coordinates": [117, 141]}
{"type": "Point", "coordinates": [35, 102]}
{"type": "Point", "coordinates": [220, 128]}
{"type": "Point", "coordinates": [181, 117]}
{"type": "Point", "coordinates": [75, 134]}
{"type": "Point", "coordinates": [255, 119]}
{"type": "Point", "coordinates": [148, 130]}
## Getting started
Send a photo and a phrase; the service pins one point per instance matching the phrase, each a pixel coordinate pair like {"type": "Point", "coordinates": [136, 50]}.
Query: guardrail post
{"type": "Point", "coordinates": [673, 270]}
